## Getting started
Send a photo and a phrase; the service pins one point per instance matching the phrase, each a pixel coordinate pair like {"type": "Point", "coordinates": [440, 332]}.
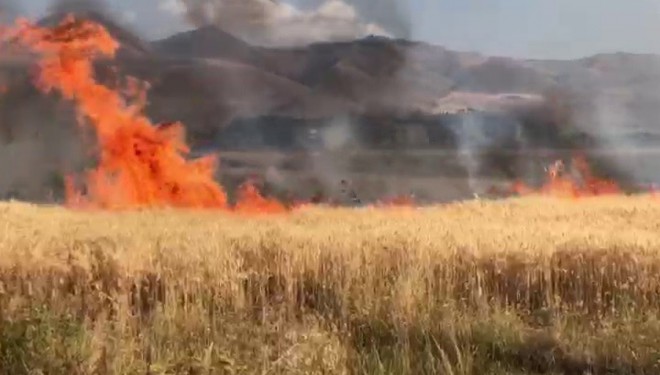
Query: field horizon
{"type": "Point", "coordinates": [519, 286]}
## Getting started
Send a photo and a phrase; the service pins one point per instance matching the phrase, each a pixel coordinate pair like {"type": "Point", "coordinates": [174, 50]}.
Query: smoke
{"type": "Point", "coordinates": [39, 143]}
{"type": "Point", "coordinates": [336, 138]}
{"type": "Point", "coordinates": [33, 168]}
{"type": "Point", "coordinates": [278, 23]}
{"type": "Point", "coordinates": [471, 139]}
{"type": "Point", "coordinates": [393, 15]}
{"type": "Point", "coordinates": [106, 10]}
{"type": "Point", "coordinates": [8, 11]}
{"type": "Point", "coordinates": [275, 23]}
{"type": "Point", "coordinates": [477, 136]}
{"type": "Point", "coordinates": [614, 134]}
{"type": "Point", "coordinates": [326, 161]}
{"type": "Point", "coordinates": [338, 135]}
{"type": "Point", "coordinates": [66, 6]}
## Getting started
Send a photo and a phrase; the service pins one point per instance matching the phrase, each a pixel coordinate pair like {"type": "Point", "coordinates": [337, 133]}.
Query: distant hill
{"type": "Point", "coordinates": [207, 42]}
{"type": "Point", "coordinates": [208, 78]}
{"type": "Point", "coordinates": [380, 90]}
{"type": "Point", "coordinates": [383, 74]}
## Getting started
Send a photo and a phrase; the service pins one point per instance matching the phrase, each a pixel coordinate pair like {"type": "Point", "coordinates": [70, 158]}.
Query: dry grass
{"type": "Point", "coordinates": [522, 286]}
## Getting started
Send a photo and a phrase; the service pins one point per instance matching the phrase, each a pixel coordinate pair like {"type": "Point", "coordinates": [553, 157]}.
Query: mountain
{"type": "Point", "coordinates": [209, 78]}
{"type": "Point", "coordinates": [207, 42]}
{"type": "Point", "coordinates": [381, 91]}
{"type": "Point", "coordinates": [391, 75]}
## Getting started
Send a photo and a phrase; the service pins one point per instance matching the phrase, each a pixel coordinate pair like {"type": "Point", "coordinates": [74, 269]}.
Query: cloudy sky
{"type": "Point", "coordinates": [519, 28]}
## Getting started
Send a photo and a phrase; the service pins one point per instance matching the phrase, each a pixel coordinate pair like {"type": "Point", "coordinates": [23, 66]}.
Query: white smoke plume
{"type": "Point", "coordinates": [274, 23]}
{"type": "Point", "coordinates": [471, 140]}
{"type": "Point", "coordinates": [614, 123]}
{"type": "Point", "coordinates": [476, 136]}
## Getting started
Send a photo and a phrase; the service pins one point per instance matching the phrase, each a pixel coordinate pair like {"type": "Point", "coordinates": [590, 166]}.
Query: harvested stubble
{"type": "Point", "coordinates": [529, 285]}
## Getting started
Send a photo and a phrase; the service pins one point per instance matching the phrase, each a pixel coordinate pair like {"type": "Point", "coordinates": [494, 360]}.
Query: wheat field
{"type": "Point", "coordinates": [519, 286]}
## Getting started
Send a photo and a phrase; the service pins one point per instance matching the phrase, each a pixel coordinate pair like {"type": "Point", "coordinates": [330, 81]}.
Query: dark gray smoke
{"type": "Point", "coordinates": [39, 142]}
{"type": "Point", "coordinates": [613, 126]}
{"type": "Point", "coordinates": [39, 138]}
{"type": "Point", "coordinates": [100, 10]}
{"type": "Point", "coordinates": [65, 6]}
{"type": "Point", "coordinates": [119, 23]}
{"type": "Point", "coordinates": [276, 23]}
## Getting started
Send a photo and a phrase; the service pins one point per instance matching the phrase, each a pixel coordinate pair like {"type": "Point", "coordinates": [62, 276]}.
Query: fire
{"type": "Point", "coordinates": [398, 201]}
{"type": "Point", "coordinates": [250, 200]}
{"type": "Point", "coordinates": [560, 185]}
{"type": "Point", "coordinates": [141, 165]}
{"type": "Point", "coordinates": [146, 165]}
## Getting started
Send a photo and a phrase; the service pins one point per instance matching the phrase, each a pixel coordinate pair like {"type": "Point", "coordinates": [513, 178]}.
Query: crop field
{"type": "Point", "coordinates": [116, 284]}
{"type": "Point", "coordinates": [519, 286]}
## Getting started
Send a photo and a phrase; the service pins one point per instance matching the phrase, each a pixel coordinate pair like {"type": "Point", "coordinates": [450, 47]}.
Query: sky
{"type": "Point", "coordinates": [557, 29]}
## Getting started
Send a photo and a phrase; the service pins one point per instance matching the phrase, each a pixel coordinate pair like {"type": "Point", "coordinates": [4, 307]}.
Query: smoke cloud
{"type": "Point", "coordinates": [392, 15]}
{"type": "Point", "coordinates": [278, 24]}
{"type": "Point", "coordinates": [476, 136]}
{"type": "Point", "coordinates": [63, 6]}
{"type": "Point", "coordinates": [8, 11]}
{"type": "Point", "coordinates": [614, 130]}
{"type": "Point", "coordinates": [274, 23]}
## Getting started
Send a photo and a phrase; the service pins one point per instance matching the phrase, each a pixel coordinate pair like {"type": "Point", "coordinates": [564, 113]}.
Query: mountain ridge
{"type": "Point", "coordinates": [385, 93]}
{"type": "Point", "coordinates": [230, 78]}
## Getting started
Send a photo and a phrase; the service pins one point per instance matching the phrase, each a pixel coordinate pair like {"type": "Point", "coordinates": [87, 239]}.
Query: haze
{"type": "Point", "coordinates": [561, 29]}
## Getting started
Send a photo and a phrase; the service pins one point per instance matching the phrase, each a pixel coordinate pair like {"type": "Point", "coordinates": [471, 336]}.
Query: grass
{"type": "Point", "coordinates": [526, 286]}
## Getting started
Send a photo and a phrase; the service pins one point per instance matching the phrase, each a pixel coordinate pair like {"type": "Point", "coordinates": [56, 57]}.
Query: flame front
{"type": "Point", "coordinates": [140, 164]}
{"type": "Point", "coordinates": [560, 185]}
{"type": "Point", "coordinates": [250, 200]}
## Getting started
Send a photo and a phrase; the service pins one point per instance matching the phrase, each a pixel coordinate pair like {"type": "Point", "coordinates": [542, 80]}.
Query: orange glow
{"type": "Point", "coordinates": [398, 201]}
{"type": "Point", "coordinates": [141, 165]}
{"type": "Point", "coordinates": [560, 185]}
{"type": "Point", "coordinates": [251, 201]}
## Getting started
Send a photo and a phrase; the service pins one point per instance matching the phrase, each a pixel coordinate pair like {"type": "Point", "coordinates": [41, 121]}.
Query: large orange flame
{"type": "Point", "coordinates": [141, 165]}
{"type": "Point", "coordinates": [250, 200]}
{"type": "Point", "coordinates": [560, 185]}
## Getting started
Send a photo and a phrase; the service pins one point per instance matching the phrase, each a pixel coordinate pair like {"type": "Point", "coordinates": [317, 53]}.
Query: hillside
{"type": "Point", "coordinates": [380, 92]}
{"type": "Point", "coordinates": [379, 73]}
{"type": "Point", "coordinates": [373, 75]}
